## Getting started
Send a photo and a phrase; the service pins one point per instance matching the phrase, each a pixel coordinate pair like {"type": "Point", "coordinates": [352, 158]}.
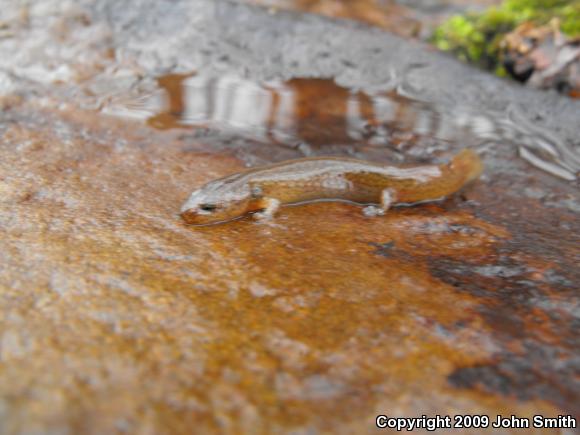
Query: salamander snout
{"type": "Point", "coordinates": [198, 214]}
{"type": "Point", "coordinates": [214, 203]}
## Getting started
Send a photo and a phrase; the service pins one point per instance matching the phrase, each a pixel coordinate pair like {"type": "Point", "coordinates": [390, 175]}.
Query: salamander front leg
{"type": "Point", "coordinates": [388, 198]}
{"type": "Point", "coordinates": [270, 207]}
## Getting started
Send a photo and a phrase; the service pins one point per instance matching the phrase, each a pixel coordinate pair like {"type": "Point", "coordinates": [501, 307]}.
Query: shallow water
{"type": "Point", "coordinates": [318, 116]}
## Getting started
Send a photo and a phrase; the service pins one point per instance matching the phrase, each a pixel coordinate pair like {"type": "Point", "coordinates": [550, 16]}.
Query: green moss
{"type": "Point", "coordinates": [476, 37]}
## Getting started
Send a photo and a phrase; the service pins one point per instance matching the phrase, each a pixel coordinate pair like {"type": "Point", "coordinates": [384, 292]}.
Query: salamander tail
{"type": "Point", "coordinates": [468, 163]}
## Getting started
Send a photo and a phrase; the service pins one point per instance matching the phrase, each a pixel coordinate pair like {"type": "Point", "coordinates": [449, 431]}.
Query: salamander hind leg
{"type": "Point", "coordinates": [270, 207]}
{"type": "Point", "coordinates": [388, 198]}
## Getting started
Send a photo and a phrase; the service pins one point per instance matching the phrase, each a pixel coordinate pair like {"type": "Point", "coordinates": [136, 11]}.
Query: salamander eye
{"type": "Point", "coordinates": [208, 207]}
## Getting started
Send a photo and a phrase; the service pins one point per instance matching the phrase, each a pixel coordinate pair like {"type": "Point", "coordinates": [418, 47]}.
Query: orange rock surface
{"type": "Point", "coordinates": [117, 317]}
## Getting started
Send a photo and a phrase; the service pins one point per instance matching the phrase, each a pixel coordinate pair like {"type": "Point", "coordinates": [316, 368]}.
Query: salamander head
{"type": "Point", "coordinates": [218, 201]}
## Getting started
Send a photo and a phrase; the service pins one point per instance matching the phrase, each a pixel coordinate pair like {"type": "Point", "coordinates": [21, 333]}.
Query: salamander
{"type": "Point", "coordinates": [262, 190]}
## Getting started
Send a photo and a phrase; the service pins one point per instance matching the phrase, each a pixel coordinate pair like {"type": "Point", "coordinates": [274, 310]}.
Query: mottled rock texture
{"type": "Point", "coordinates": [117, 317]}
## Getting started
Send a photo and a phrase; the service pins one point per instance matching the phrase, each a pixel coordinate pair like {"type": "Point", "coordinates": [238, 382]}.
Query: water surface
{"type": "Point", "coordinates": [318, 116]}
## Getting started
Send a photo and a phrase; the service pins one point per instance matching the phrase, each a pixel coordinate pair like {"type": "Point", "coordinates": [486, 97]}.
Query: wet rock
{"type": "Point", "coordinates": [407, 18]}
{"type": "Point", "coordinates": [116, 316]}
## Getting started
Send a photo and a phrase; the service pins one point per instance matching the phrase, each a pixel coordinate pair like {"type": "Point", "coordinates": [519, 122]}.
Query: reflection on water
{"type": "Point", "coordinates": [318, 112]}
